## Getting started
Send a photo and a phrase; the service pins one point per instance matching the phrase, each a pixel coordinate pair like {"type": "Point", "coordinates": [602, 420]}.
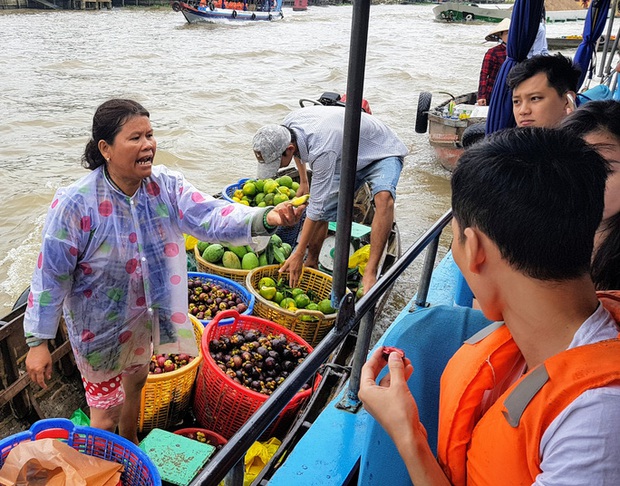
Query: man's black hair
{"type": "Point", "coordinates": [562, 74]}
{"type": "Point", "coordinates": [538, 194]}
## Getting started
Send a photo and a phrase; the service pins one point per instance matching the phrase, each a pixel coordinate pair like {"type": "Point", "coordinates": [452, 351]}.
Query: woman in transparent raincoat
{"type": "Point", "coordinates": [112, 261]}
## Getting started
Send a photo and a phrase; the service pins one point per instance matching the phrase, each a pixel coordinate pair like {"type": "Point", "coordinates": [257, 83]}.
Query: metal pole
{"type": "Point", "coordinates": [427, 272]}
{"type": "Point", "coordinates": [350, 399]}
{"type": "Point", "coordinates": [350, 144]}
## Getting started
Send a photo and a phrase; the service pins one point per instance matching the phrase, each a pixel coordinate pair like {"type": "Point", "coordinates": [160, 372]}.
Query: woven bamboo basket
{"type": "Point", "coordinates": [165, 397]}
{"type": "Point", "coordinates": [311, 326]}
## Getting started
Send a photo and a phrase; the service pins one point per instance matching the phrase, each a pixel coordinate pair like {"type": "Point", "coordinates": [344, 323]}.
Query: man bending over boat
{"type": "Point", "coordinates": [314, 136]}
{"type": "Point", "coordinates": [534, 398]}
{"type": "Point", "coordinates": [543, 90]}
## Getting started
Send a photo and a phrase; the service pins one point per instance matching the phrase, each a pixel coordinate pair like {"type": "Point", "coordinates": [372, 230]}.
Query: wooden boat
{"type": "Point", "coordinates": [566, 42]}
{"type": "Point", "coordinates": [472, 12]}
{"type": "Point", "coordinates": [214, 10]}
{"type": "Point", "coordinates": [446, 132]}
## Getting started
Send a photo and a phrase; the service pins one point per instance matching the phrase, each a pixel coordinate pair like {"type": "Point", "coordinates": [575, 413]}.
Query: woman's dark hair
{"type": "Point", "coordinates": [107, 122]}
{"type": "Point", "coordinates": [538, 194]}
{"type": "Point", "coordinates": [592, 117]}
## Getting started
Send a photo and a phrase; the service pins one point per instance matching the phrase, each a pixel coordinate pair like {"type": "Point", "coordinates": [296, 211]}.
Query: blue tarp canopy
{"type": "Point", "coordinates": [592, 30]}
{"type": "Point", "coordinates": [524, 22]}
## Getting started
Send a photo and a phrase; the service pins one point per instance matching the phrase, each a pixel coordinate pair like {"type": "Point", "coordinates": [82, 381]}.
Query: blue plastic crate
{"type": "Point", "coordinates": [247, 297]}
{"type": "Point", "coordinates": [289, 234]}
{"type": "Point", "coordinates": [139, 470]}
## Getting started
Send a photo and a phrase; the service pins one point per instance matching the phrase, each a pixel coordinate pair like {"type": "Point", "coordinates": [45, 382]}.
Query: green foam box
{"type": "Point", "coordinates": [178, 459]}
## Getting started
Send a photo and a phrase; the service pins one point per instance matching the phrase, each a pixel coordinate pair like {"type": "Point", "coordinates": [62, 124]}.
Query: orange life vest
{"type": "Point", "coordinates": [503, 446]}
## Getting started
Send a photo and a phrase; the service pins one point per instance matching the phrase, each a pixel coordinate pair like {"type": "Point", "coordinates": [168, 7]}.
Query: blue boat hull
{"type": "Point", "coordinates": [342, 446]}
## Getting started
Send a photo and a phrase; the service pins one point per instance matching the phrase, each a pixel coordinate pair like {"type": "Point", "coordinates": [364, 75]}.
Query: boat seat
{"type": "Point", "coordinates": [429, 337]}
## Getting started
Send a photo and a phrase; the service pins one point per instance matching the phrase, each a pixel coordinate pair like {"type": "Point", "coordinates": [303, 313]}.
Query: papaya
{"type": "Point", "coordinates": [240, 251]}
{"type": "Point", "coordinates": [249, 261]}
{"type": "Point", "coordinates": [287, 249]}
{"type": "Point", "coordinates": [231, 260]}
{"type": "Point", "coordinates": [214, 253]}
{"type": "Point", "coordinates": [262, 260]}
{"type": "Point", "coordinates": [202, 246]}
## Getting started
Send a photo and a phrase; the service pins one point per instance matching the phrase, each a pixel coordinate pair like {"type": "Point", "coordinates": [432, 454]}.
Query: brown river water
{"type": "Point", "coordinates": [209, 87]}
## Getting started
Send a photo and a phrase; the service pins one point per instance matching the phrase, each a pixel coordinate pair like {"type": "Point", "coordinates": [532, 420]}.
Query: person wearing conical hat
{"type": "Point", "coordinates": [493, 60]}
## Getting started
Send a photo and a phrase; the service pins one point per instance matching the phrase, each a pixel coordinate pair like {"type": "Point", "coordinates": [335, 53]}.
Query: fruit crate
{"type": "Point", "coordinates": [223, 405]}
{"type": "Point", "coordinates": [289, 234]}
{"type": "Point", "coordinates": [229, 284]}
{"type": "Point", "coordinates": [138, 470]}
{"type": "Point", "coordinates": [165, 397]}
{"type": "Point", "coordinates": [236, 275]}
{"type": "Point", "coordinates": [312, 326]}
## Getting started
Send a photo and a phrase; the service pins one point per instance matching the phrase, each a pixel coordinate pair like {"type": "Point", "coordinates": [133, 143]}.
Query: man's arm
{"type": "Point", "coordinates": [304, 183]}
{"type": "Point", "coordinates": [312, 236]}
{"type": "Point", "coordinates": [392, 405]}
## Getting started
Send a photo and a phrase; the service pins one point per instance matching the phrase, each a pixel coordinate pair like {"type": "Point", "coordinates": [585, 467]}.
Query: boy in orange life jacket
{"type": "Point", "coordinates": [534, 399]}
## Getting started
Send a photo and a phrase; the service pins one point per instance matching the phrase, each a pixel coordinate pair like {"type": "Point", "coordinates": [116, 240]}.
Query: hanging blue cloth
{"type": "Point", "coordinates": [592, 30]}
{"type": "Point", "coordinates": [526, 16]}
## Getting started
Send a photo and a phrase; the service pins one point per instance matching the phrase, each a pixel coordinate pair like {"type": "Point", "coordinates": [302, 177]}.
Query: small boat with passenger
{"type": "Point", "coordinates": [214, 10]}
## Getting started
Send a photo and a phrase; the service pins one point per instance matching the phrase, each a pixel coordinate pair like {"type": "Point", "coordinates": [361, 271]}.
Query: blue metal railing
{"type": "Point", "coordinates": [349, 316]}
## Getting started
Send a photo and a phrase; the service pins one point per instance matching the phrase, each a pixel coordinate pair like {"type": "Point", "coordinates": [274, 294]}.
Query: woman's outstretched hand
{"type": "Point", "coordinates": [285, 214]}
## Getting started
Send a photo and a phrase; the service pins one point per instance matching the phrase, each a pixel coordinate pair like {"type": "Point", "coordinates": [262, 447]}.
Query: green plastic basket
{"type": "Point", "coordinates": [178, 459]}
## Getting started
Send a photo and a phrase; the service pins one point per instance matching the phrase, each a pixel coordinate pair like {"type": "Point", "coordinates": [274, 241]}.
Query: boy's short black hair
{"type": "Point", "coordinates": [562, 74]}
{"type": "Point", "coordinates": [538, 194]}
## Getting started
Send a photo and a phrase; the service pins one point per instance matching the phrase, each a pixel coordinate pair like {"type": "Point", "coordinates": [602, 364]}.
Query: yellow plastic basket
{"type": "Point", "coordinates": [231, 273]}
{"type": "Point", "coordinates": [166, 397]}
{"type": "Point", "coordinates": [311, 326]}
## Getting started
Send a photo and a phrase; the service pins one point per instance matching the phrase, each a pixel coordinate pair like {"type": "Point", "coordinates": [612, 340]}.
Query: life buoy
{"type": "Point", "coordinates": [253, 17]}
{"type": "Point", "coordinates": [176, 6]}
{"type": "Point", "coordinates": [211, 6]}
{"type": "Point", "coordinates": [234, 14]}
{"type": "Point", "coordinates": [469, 16]}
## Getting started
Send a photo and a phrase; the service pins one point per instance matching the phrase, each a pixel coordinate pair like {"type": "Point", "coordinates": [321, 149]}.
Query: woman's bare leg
{"type": "Point", "coordinates": [128, 422]}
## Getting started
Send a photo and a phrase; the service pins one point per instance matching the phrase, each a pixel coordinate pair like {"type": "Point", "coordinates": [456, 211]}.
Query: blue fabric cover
{"type": "Point", "coordinates": [429, 337]}
{"type": "Point", "coordinates": [592, 30]}
{"type": "Point", "coordinates": [524, 22]}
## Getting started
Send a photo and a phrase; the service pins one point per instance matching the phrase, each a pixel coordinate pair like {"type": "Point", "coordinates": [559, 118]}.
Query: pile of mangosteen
{"type": "Point", "coordinates": [207, 299]}
{"type": "Point", "coordinates": [258, 361]}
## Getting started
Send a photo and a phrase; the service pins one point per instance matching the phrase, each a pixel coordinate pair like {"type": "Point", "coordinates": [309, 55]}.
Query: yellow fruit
{"type": "Point", "coordinates": [238, 194]}
{"type": "Point", "coordinates": [298, 201]}
{"type": "Point", "coordinates": [284, 190]}
{"type": "Point", "coordinates": [270, 186]}
{"type": "Point", "coordinates": [266, 282]}
{"type": "Point", "coordinates": [269, 199]}
{"type": "Point", "coordinates": [285, 181]}
{"type": "Point", "coordinates": [279, 198]}
{"type": "Point", "coordinates": [325, 306]}
{"type": "Point", "coordinates": [249, 189]}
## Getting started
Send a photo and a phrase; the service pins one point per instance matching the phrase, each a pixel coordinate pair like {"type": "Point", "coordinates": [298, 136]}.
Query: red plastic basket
{"type": "Point", "coordinates": [223, 405]}
{"type": "Point", "coordinates": [212, 438]}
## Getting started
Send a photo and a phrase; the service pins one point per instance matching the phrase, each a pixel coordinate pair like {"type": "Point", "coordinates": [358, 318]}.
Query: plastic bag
{"type": "Point", "coordinates": [80, 418]}
{"type": "Point", "coordinates": [257, 456]}
{"type": "Point", "coordinates": [360, 259]}
{"type": "Point", "coordinates": [51, 462]}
